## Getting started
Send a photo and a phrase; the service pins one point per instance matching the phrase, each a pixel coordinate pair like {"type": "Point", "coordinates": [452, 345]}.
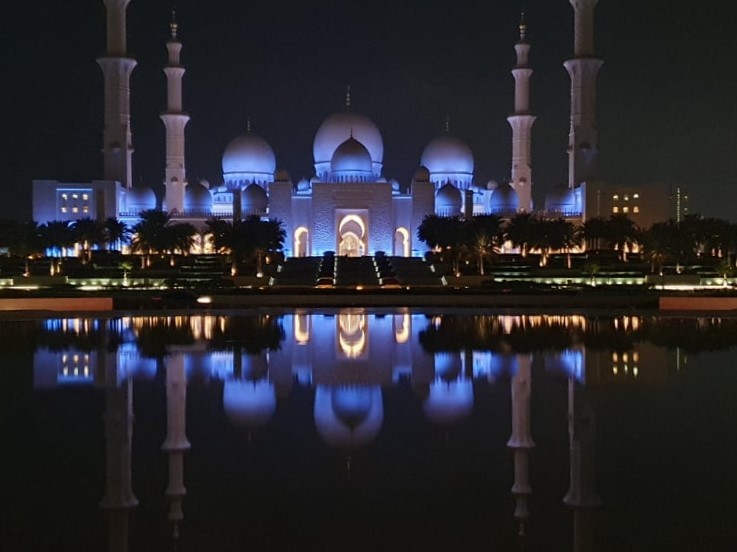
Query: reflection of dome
{"type": "Point", "coordinates": [447, 155]}
{"type": "Point", "coordinates": [197, 198]}
{"type": "Point", "coordinates": [504, 199]}
{"type": "Point", "coordinates": [448, 200]}
{"type": "Point", "coordinates": [421, 175]}
{"type": "Point", "coordinates": [567, 363]}
{"type": "Point", "coordinates": [503, 365]}
{"type": "Point", "coordinates": [449, 403]}
{"type": "Point", "coordinates": [249, 403]}
{"type": "Point", "coordinates": [448, 366]}
{"type": "Point", "coordinates": [254, 200]}
{"type": "Point", "coordinates": [560, 199]}
{"type": "Point", "coordinates": [249, 154]}
{"type": "Point", "coordinates": [338, 128]}
{"type": "Point", "coordinates": [348, 417]}
{"type": "Point", "coordinates": [140, 198]}
{"type": "Point", "coordinates": [351, 158]}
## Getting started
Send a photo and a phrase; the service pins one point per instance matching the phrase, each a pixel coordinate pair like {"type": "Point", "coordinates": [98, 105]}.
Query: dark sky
{"type": "Point", "coordinates": [667, 91]}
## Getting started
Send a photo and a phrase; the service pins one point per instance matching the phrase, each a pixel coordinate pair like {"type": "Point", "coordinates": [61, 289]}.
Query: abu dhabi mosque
{"type": "Point", "coordinates": [348, 206]}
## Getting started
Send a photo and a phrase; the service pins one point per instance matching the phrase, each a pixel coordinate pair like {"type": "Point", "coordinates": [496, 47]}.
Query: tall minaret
{"type": "Point", "coordinates": [175, 121]}
{"type": "Point", "coordinates": [583, 69]}
{"type": "Point", "coordinates": [521, 122]}
{"type": "Point", "coordinates": [117, 148]}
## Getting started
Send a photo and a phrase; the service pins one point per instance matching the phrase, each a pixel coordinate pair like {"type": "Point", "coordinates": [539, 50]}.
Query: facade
{"type": "Point", "coordinates": [348, 206]}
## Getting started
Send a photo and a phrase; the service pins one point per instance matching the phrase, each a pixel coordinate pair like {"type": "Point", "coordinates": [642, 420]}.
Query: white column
{"type": "Point", "coordinates": [117, 145]}
{"type": "Point", "coordinates": [521, 122]}
{"type": "Point", "coordinates": [583, 70]}
{"type": "Point", "coordinates": [175, 121]}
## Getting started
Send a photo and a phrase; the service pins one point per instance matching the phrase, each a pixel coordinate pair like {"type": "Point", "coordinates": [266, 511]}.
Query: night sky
{"type": "Point", "coordinates": [667, 92]}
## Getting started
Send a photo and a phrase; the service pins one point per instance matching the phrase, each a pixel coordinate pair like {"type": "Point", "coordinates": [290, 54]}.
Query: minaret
{"type": "Point", "coordinates": [582, 496]}
{"type": "Point", "coordinates": [175, 121]}
{"type": "Point", "coordinates": [119, 499]}
{"type": "Point", "coordinates": [521, 122]}
{"type": "Point", "coordinates": [176, 443]}
{"type": "Point", "coordinates": [583, 69]}
{"type": "Point", "coordinates": [521, 442]}
{"type": "Point", "coordinates": [117, 148]}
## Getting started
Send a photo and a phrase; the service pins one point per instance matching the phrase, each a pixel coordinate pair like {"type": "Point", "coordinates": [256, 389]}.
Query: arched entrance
{"type": "Point", "coordinates": [352, 236]}
{"type": "Point", "coordinates": [301, 242]}
{"type": "Point", "coordinates": [401, 242]}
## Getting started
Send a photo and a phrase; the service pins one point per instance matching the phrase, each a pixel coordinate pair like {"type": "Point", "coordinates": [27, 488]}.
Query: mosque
{"type": "Point", "coordinates": [348, 206]}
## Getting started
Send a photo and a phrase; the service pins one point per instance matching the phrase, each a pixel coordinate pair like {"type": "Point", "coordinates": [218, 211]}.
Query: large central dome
{"type": "Point", "coordinates": [338, 128]}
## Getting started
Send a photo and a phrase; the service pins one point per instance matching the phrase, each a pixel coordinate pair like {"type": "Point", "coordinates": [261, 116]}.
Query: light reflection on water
{"type": "Point", "coordinates": [348, 360]}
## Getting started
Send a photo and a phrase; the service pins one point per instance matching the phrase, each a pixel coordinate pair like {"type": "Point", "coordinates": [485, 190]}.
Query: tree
{"type": "Point", "coordinates": [117, 233]}
{"type": "Point", "coordinates": [88, 233]}
{"type": "Point", "coordinates": [520, 231]}
{"type": "Point", "coordinates": [594, 230]}
{"type": "Point", "coordinates": [150, 234]}
{"type": "Point", "coordinates": [248, 238]}
{"type": "Point", "coordinates": [57, 234]}
{"type": "Point", "coordinates": [622, 233]}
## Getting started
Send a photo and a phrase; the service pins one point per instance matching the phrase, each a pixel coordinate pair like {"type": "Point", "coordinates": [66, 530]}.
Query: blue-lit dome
{"type": "Point", "coordinates": [250, 157]}
{"type": "Point", "coordinates": [140, 198]}
{"type": "Point", "coordinates": [448, 200]}
{"type": "Point", "coordinates": [351, 159]}
{"type": "Point", "coordinates": [249, 403]}
{"type": "Point", "coordinates": [197, 198]}
{"type": "Point", "coordinates": [348, 417]}
{"type": "Point", "coordinates": [448, 158]}
{"type": "Point", "coordinates": [504, 199]}
{"type": "Point", "coordinates": [560, 199]}
{"type": "Point", "coordinates": [254, 200]}
{"type": "Point", "coordinates": [338, 128]}
{"type": "Point", "coordinates": [449, 402]}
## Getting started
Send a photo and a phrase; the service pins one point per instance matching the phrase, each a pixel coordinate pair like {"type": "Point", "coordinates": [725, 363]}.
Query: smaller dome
{"type": "Point", "coordinates": [395, 184]}
{"type": "Point", "coordinates": [282, 175]}
{"type": "Point", "coordinates": [448, 155]}
{"type": "Point", "coordinates": [140, 198]}
{"type": "Point", "coordinates": [197, 198]}
{"type": "Point", "coordinates": [448, 200]}
{"type": "Point", "coordinates": [254, 200]}
{"type": "Point", "coordinates": [449, 402]}
{"type": "Point", "coordinates": [303, 185]}
{"type": "Point", "coordinates": [249, 404]}
{"type": "Point", "coordinates": [504, 199]}
{"type": "Point", "coordinates": [351, 157]}
{"type": "Point", "coordinates": [421, 175]}
{"type": "Point", "coordinates": [249, 154]}
{"type": "Point", "coordinates": [560, 199]}
{"type": "Point", "coordinates": [492, 184]}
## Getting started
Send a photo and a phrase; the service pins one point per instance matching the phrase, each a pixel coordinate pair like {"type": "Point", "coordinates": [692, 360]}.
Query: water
{"type": "Point", "coordinates": [364, 430]}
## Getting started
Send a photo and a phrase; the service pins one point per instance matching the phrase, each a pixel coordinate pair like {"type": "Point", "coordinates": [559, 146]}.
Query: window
{"type": "Point", "coordinates": [615, 209]}
{"type": "Point", "coordinates": [85, 209]}
{"type": "Point", "coordinates": [85, 197]}
{"type": "Point", "coordinates": [75, 209]}
{"type": "Point", "coordinates": [635, 209]}
{"type": "Point", "coordinates": [75, 196]}
{"type": "Point", "coordinates": [615, 197]}
{"type": "Point", "coordinates": [64, 196]}
{"type": "Point", "coordinates": [63, 209]}
{"type": "Point", "coordinates": [625, 209]}
{"type": "Point", "coordinates": [626, 198]}
{"type": "Point", "coordinates": [636, 196]}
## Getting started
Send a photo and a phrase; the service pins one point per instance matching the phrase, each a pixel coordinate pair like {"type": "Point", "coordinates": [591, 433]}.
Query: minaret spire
{"type": "Point", "coordinates": [348, 97]}
{"type": "Point", "coordinates": [175, 121]}
{"type": "Point", "coordinates": [583, 69]}
{"type": "Point", "coordinates": [117, 147]}
{"type": "Point", "coordinates": [521, 122]}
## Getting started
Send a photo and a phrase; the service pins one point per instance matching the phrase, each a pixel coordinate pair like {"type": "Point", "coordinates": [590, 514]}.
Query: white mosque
{"type": "Point", "coordinates": [348, 206]}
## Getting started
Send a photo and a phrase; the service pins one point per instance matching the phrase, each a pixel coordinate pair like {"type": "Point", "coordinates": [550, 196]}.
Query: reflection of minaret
{"type": "Point", "coordinates": [117, 146]}
{"type": "Point", "coordinates": [174, 121]}
{"type": "Point", "coordinates": [119, 498]}
{"type": "Point", "coordinates": [176, 443]}
{"type": "Point", "coordinates": [581, 496]}
{"type": "Point", "coordinates": [583, 69]}
{"type": "Point", "coordinates": [521, 442]}
{"type": "Point", "coordinates": [521, 122]}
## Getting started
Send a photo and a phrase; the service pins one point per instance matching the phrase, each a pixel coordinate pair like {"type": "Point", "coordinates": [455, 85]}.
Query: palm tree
{"type": "Point", "coordinates": [150, 234]}
{"type": "Point", "coordinates": [622, 233]}
{"type": "Point", "coordinates": [520, 231]}
{"type": "Point", "coordinates": [88, 232]}
{"type": "Point", "coordinates": [117, 233]}
{"type": "Point", "coordinates": [57, 234]}
{"type": "Point", "coordinates": [180, 237]}
{"type": "Point", "coordinates": [594, 230]}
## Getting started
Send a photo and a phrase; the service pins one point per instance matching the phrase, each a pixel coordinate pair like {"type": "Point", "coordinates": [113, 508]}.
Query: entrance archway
{"type": "Point", "coordinates": [401, 242]}
{"type": "Point", "coordinates": [351, 236]}
{"type": "Point", "coordinates": [301, 242]}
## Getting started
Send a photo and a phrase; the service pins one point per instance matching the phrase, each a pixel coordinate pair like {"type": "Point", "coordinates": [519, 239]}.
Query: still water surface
{"type": "Point", "coordinates": [364, 430]}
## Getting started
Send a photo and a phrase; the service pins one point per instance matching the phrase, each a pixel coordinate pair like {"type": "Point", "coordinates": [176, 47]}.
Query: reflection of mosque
{"type": "Point", "coordinates": [347, 358]}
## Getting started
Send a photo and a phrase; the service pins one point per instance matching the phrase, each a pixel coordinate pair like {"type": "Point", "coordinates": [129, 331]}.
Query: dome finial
{"type": "Point", "coordinates": [248, 124]}
{"type": "Point", "coordinates": [348, 97]}
{"type": "Point", "coordinates": [522, 27]}
{"type": "Point", "coordinates": [447, 123]}
{"type": "Point", "coordinates": [174, 25]}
